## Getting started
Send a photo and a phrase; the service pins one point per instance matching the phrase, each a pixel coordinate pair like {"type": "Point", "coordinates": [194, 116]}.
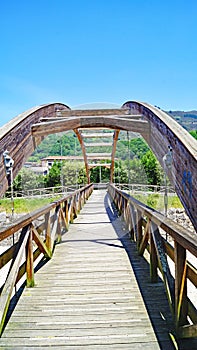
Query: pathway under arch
{"type": "Point", "coordinates": [22, 134]}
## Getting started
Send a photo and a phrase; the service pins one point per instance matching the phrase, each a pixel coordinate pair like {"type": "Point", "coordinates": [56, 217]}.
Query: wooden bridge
{"type": "Point", "coordinates": [107, 282]}
{"type": "Point", "coordinates": [92, 288]}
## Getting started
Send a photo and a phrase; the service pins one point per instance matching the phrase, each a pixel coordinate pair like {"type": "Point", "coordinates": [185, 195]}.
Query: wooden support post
{"type": "Point", "coordinates": [66, 213]}
{"type": "Point", "coordinates": [48, 231]}
{"type": "Point", "coordinates": [153, 261]}
{"type": "Point", "coordinates": [145, 238]}
{"type": "Point", "coordinates": [71, 210]}
{"type": "Point", "coordinates": [59, 228]}
{"type": "Point", "coordinates": [134, 234]}
{"type": "Point", "coordinates": [181, 306]}
{"type": "Point", "coordinates": [139, 228]}
{"type": "Point", "coordinates": [30, 261]}
{"type": "Point", "coordinates": [120, 204]}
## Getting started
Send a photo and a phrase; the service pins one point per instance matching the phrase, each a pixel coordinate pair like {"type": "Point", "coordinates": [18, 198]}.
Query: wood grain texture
{"type": "Point", "coordinates": [87, 296]}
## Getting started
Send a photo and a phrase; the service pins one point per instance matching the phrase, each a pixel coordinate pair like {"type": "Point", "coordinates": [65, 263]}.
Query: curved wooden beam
{"type": "Point", "coordinates": [16, 137]}
{"type": "Point", "coordinates": [165, 132]}
{"type": "Point", "coordinates": [158, 129]}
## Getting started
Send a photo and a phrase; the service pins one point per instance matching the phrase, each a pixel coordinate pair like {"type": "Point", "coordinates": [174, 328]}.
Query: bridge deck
{"type": "Point", "coordinates": [87, 296]}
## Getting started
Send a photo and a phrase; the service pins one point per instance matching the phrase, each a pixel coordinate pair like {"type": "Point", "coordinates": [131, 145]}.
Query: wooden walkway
{"type": "Point", "coordinates": [88, 295]}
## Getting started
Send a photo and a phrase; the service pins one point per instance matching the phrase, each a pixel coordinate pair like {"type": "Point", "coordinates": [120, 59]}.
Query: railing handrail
{"type": "Point", "coordinates": [56, 218]}
{"type": "Point", "coordinates": [28, 218]}
{"type": "Point", "coordinates": [43, 191]}
{"type": "Point", "coordinates": [186, 238]}
{"type": "Point", "coordinates": [134, 185]}
{"type": "Point", "coordinates": [57, 190]}
{"type": "Point", "coordinates": [144, 225]}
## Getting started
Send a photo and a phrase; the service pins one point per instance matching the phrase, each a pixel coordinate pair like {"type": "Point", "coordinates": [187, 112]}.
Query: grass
{"type": "Point", "coordinates": [24, 205]}
{"type": "Point", "coordinates": [156, 201]}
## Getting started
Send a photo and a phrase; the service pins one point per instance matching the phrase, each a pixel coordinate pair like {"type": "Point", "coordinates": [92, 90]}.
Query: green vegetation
{"type": "Point", "coordinates": [194, 133]}
{"type": "Point", "coordinates": [56, 145]}
{"type": "Point", "coordinates": [22, 205]}
{"type": "Point", "coordinates": [156, 201]}
{"type": "Point", "coordinates": [136, 163]}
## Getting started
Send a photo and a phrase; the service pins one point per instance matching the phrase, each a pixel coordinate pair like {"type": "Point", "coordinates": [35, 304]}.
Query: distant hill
{"type": "Point", "coordinates": [187, 120]}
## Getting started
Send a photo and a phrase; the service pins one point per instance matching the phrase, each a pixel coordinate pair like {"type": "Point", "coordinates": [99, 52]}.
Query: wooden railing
{"type": "Point", "coordinates": [37, 233]}
{"type": "Point", "coordinates": [44, 192]}
{"type": "Point", "coordinates": [150, 229]}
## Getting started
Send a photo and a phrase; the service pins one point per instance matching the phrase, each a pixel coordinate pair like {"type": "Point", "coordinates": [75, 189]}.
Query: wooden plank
{"type": "Point", "coordinates": [87, 294]}
{"type": "Point", "coordinates": [188, 331]}
{"type": "Point", "coordinates": [181, 308]}
{"type": "Point", "coordinates": [145, 238]}
{"type": "Point", "coordinates": [96, 112]}
{"type": "Point", "coordinates": [30, 260]}
{"type": "Point", "coordinates": [12, 275]}
{"type": "Point", "coordinates": [41, 245]}
{"type": "Point", "coordinates": [71, 123]}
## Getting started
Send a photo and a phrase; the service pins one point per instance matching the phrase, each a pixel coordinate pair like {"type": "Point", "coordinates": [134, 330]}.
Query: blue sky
{"type": "Point", "coordinates": [78, 52]}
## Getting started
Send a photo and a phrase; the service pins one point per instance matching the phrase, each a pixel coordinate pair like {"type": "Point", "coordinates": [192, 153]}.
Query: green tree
{"type": "Point", "coordinates": [27, 179]}
{"type": "Point", "coordinates": [194, 133]}
{"type": "Point", "coordinates": [152, 168]}
{"type": "Point", "coordinates": [100, 174]}
{"type": "Point", "coordinates": [138, 173]}
{"type": "Point", "coordinates": [137, 147]}
{"type": "Point", "coordinates": [53, 178]}
{"type": "Point", "coordinates": [73, 173]}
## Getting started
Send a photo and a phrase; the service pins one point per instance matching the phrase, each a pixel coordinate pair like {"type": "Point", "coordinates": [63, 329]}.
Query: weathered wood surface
{"type": "Point", "coordinates": [145, 228]}
{"type": "Point", "coordinates": [15, 136]}
{"type": "Point", "coordinates": [165, 132]}
{"type": "Point", "coordinates": [87, 296]}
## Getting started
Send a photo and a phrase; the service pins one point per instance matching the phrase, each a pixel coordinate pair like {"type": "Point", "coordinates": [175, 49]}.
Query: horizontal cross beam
{"type": "Point", "coordinates": [92, 112]}
{"type": "Point", "coordinates": [46, 128]}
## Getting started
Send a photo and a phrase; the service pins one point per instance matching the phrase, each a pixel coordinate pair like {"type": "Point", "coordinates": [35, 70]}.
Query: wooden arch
{"type": "Point", "coordinates": [22, 134]}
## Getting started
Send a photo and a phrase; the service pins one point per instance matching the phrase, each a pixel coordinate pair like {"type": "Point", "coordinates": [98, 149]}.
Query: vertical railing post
{"type": "Point", "coordinates": [134, 234]}
{"type": "Point", "coordinates": [65, 211]}
{"type": "Point", "coordinates": [72, 209]}
{"type": "Point", "coordinates": [59, 228]}
{"type": "Point", "coordinates": [181, 305]}
{"type": "Point", "coordinates": [139, 227]}
{"type": "Point", "coordinates": [48, 231]}
{"type": "Point", "coordinates": [153, 260]}
{"type": "Point", "coordinates": [30, 261]}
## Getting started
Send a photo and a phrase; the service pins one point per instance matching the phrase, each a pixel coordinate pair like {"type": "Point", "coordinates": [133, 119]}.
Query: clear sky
{"type": "Point", "coordinates": [78, 52]}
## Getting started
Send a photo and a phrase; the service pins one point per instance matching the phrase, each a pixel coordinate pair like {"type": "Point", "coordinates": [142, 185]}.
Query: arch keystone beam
{"type": "Point", "coordinates": [113, 122]}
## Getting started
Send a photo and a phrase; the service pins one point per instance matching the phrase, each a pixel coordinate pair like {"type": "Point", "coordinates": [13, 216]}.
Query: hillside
{"type": "Point", "coordinates": [187, 120]}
